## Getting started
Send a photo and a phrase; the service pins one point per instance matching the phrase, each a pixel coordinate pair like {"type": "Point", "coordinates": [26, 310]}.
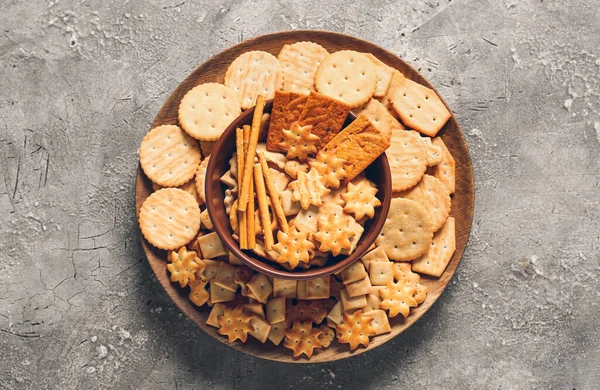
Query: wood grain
{"type": "Point", "coordinates": [214, 70]}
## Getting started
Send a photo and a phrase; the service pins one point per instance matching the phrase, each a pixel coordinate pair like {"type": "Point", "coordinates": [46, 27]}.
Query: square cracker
{"type": "Point", "coordinates": [212, 268]}
{"type": "Point", "coordinates": [220, 294]}
{"type": "Point", "coordinates": [261, 329]}
{"type": "Point", "coordinates": [211, 246]}
{"type": "Point", "coordinates": [435, 261]}
{"type": "Point", "coordinates": [377, 254]}
{"type": "Point", "coordinates": [380, 323]}
{"type": "Point", "coordinates": [301, 289]}
{"type": "Point", "coordinates": [225, 275]}
{"type": "Point", "coordinates": [325, 115]}
{"type": "Point", "coordinates": [373, 301]}
{"type": "Point", "coordinates": [318, 288]}
{"type": "Point", "coordinates": [381, 273]}
{"type": "Point", "coordinates": [287, 107]}
{"type": "Point", "coordinates": [359, 144]}
{"type": "Point", "coordinates": [275, 309]}
{"type": "Point", "coordinates": [354, 272]}
{"type": "Point", "coordinates": [445, 171]}
{"type": "Point", "coordinates": [284, 288]}
{"type": "Point", "coordinates": [217, 310]}
{"type": "Point", "coordinates": [254, 309]}
{"type": "Point", "coordinates": [386, 100]}
{"type": "Point", "coordinates": [335, 314]}
{"type": "Point", "coordinates": [277, 333]}
{"type": "Point", "coordinates": [360, 287]}
{"type": "Point", "coordinates": [261, 287]}
{"type": "Point", "coordinates": [384, 75]}
{"type": "Point", "coordinates": [419, 107]}
{"type": "Point", "coordinates": [352, 303]}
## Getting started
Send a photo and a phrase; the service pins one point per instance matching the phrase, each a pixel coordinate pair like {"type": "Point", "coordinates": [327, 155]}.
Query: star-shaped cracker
{"type": "Point", "coordinates": [293, 247]}
{"type": "Point", "coordinates": [314, 311]}
{"type": "Point", "coordinates": [331, 167]}
{"type": "Point", "coordinates": [398, 298]}
{"type": "Point", "coordinates": [355, 329]}
{"type": "Point", "coordinates": [299, 142]}
{"type": "Point", "coordinates": [302, 338]}
{"type": "Point", "coordinates": [361, 200]}
{"type": "Point", "coordinates": [235, 324]}
{"type": "Point", "coordinates": [334, 234]}
{"type": "Point", "coordinates": [403, 271]}
{"type": "Point", "coordinates": [183, 266]}
{"type": "Point", "coordinates": [308, 189]}
{"type": "Point", "coordinates": [198, 294]}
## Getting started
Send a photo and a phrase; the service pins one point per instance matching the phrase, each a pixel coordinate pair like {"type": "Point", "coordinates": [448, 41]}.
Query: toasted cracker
{"type": "Point", "coordinates": [261, 287]}
{"type": "Point", "coordinates": [380, 323]}
{"type": "Point", "coordinates": [211, 269]}
{"type": "Point", "coordinates": [354, 272]}
{"type": "Point", "coordinates": [333, 234]}
{"type": "Point", "coordinates": [217, 310]}
{"type": "Point", "coordinates": [359, 144]}
{"type": "Point", "coordinates": [358, 230]}
{"type": "Point", "coordinates": [183, 266]}
{"type": "Point", "coordinates": [225, 276]}
{"type": "Point", "coordinates": [275, 310]}
{"type": "Point", "coordinates": [289, 206]}
{"type": "Point", "coordinates": [314, 311]}
{"type": "Point", "coordinates": [287, 107]}
{"type": "Point", "coordinates": [407, 232]}
{"type": "Point", "coordinates": [355, 329]}
{"type": "Point", "coordinates": [435, 261]}
{"type": "Point", "coordinates": [308, 188]}
{"type": "Point", "coordinates": [407, 156]}
{"type": "Point", "coordinates": [276, 158]}
{"type": "Point", "coordinates": [380, 117]}
{"type": "Point", "coordinates": [384, 75]}
{"type": "Point", "coordinates": [198, 294]}
{"type": "Point", "coordinates": [205, 219]}
{"type": "Point", "coordinates": [220, 294]}
{"type": "Point", "coordinates": [402, 271]}
{"type": "Point", "coordinates": [169, 218]}
{"type": "Point", "coordinates": [211, 246]}
{"type": "Point", "coordinates": [434, 152]}
{"type": "Point", "coordinates": [200, 179]}
{"type": "Point", "coordinates": [292, 167]}
{"type": "Point", "coordinates": [330, 167]}
{"type": "Point", "coordinates": [386, 100]}
{"type": "Point", "coordinates": [360, 287]}
{"type": "Point", "coordinates": [293, 247]}
{"type": "Point", "coordinates": [302, 338]}
{"type": "Point", "coordinates": [235, 324]}
{"type": "Point", "coordinates": [207, 109]}
{"type": "Point", "coordinates": [352, 303]}
{"type": "Point", "coordinates": [299, 62]}
{"type": "Point", "coordinates": [277, 333]}
{"type": "Point", "coordinates": [419, 107]}
{"type": "Point", "coordinates": [373, 301]}
{"type": "Point", "coordinates": [318, 288]}
{"type": "Point", "coordinates": [377, 254]}
{"type": "Point", "coordinates": [435, 197]}
{"type": "Point", "coordinates": [397, 298]}
{"type": "Point", "coordinates": [335, 315]}
{"type": "Point", "coordinates": [261, 329]}
{"type": "Point", "coordinates": [298, 142]}
{"type": "Point", "coordinates": [256, 309]}
{"type": "Point", "coordinates": [347, 76]}
{"type": "Point", "coordinates": [361, 200]}
{"type": "Point", "coordinates": [169, 156]}
{"type": "Point", "coordinates": [325, 115]}
{"type": "Point", "coordinates": [445, 171]}
{"type": "Point", "coordinates": [253, 73]}
{"type": "Point", "coordinates": [381, 272]}
{"type": "Point", "coordinates": [327, 336]}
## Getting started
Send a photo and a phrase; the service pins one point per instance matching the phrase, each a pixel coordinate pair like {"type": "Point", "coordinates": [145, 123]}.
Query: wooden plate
{"type": "Point", "coordinates": [214, 70]}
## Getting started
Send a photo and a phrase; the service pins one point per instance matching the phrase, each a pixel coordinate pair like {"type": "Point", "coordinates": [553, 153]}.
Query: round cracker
{"type": "Point", "coordinates": [299, 62]}
{"type": "Point", "coordinates": [347, 76]}
{"type": "Point", "coordinates": [201, 179]}
{"type": "Point", "coordinates": [207, 109]}
{"type": "Point", "coordinates": [407, 156]}
{"type": "Point", "coordinates": [435, 197]}
{"type": "Point", "coordinates": [407, 232]}
{"type": "Point", "coordinates": [169, 156]}
{"type": "Point", "coordinates": [169, 218]}
{"type": "Point", "coordinates": [253, 73]}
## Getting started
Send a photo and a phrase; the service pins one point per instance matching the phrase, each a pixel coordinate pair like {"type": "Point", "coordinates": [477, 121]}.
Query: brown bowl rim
{"type": "Point", "coordinates": [222, 229]}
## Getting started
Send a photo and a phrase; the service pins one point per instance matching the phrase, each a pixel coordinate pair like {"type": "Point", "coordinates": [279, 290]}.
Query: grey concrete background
{"type": "Point", "coordinates": [80, 82]}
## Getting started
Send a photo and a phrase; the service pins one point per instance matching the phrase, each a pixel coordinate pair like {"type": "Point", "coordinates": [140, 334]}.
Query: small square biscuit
{"type": "Point", "coordinates": [335, 314]}
{"type": "Point", "coordinates": [224, 277]}
{"type": "Point", "coordinates": [277, 333]}
{"type": "Point", "coordinates": [287, 107]}
{"type": "Point", "coordinates": [381, 273]}
{"type": "Point", "coordinates": [354, 272]}
{"type": "Point", "coordinates": [217, 310]}
{"type": "Point", "coordinates": [220, 294]}
{"type": "Point", "coordinates": [211, 246]}
{"type": "Point", "coordinates": [352, 303]}
{"type": "Point", "coordinates": [275, 309]}
{"type": "Point", "coordinates": [261, 287]}
{"type": "Point", "coordinates": [377, 254]}
{"type": "Point", "coordinates": [261, 329]}
{"type": "Point", "coordinates": [318, 288]}
{"type": "Point", "coordinates": [254, 308]}
{"type": "Point", "coordinates": [359, 144]}
{"type": "Point", "coordinates": [360, 287]}
{"type": "Point", "coordinates": [358, 230]}
{"type": "Point", "coordinates": [325, 115]}
{"type": "Point", "coordinates": [234, 260]}
{"type": "Point", "coordinates": [380, 117]}
{"type": "Point", "coordinates": [301, 289]}
{"type": "Point", "coordinates": [284, 288]}
{"type": "Point", "coordinates": [289, 206]}
{"type": "Point", "coordinates": [373, 301]}
{"type": "Point", "coordinates": [212, 268]}
{"type": "Point", "coordinates": [380, 323]}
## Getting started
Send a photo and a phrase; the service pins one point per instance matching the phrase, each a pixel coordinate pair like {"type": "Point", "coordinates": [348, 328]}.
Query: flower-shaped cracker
{"type": "Point", "coordinates": [403, 271]}
{"type": "Point", "coordinates": [308, 189]}
{"type": "Point", "coordinates": [334, 234]}
{"type": "Point", "coordinates": [299, 142]}
{"type": "Point", "coordinates": [331, 167]}
{"type": "Point", "coordinates": [360, 199]}
{"type": "Point", "coordinates": [315, 311]}
{"type": "Point", "coordinates": [293, 247]}
{"type": "Point", "coordinates": [183, 266]}
{"type": "Point", "coordinates": [235, 324]}
{"type": "Point", "coordinates": [302, 338]}
{"type": "Point", "coordinates": [355, 329]}
{"type": "Point", "coordinates": [397, 298]}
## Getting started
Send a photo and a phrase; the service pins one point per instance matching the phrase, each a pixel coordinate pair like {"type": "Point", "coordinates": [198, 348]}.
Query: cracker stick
{"type": "Point", "coordinates": [239, 151]}
{"type": "Point", "coordinates": [263, 207]}
{"type": "Point", "coordinates": [250, 225]}
{"type": "Point", "coordinates": [244, 192]}
{"type": "Point", "coordinates": [243, 229]}
{"type": "Point", "coordinates": [242, 215]}
{"type": "Point", "coordinates": [275, 201]}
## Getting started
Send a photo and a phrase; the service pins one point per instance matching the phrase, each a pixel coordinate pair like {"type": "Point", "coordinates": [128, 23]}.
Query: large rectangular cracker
{"type": "Point", "coordinates": [287, 107]}
{"type": "Point", "coordinates": [325, 115]}
{"type": "Point", "coordinates": [436, 259]}
{"type": "Point", "coordinates": [359, 144]}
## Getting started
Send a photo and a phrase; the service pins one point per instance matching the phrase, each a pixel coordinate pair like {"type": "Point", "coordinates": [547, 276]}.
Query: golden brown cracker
{"type": "Point", "coordinates": [355, 329]}
{"type": "Point", "coordinates": [445, 171]}
{"type": "Point", "coordinates": [436, 259]}
{"type": "Point", "coordinates": [325, 115]}
{"type": "Point", "coordinates": [287, 107]}
{"type": "Point", "coordinates": [434, 196]}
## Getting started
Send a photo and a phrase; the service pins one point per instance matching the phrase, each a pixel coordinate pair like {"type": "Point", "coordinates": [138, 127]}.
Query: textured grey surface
{"type": "Point", "coordinates": [81, 81]}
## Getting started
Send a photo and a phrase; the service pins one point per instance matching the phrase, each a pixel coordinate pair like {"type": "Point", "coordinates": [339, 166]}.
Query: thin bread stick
{"type": "Point", "coordinates": [263, 207]}
{"type": "Point", "coordinates": [275, 201]}
{"type": "Point", "coordinates": [245, 190]}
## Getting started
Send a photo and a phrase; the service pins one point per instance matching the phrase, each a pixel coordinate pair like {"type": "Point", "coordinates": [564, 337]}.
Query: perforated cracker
{"type": "Point", "coordinates": [436, 259]}
{"type": "Point", "coordinates": [330, 167]}
{"type": "Point", "coordinates": [445, 171]}
{"type": "Point", "coordinates": [298, 142]}
{"type": "Point", "coordinates": [200, 179]}
{"type": "Point", "coordinates": [293, 247]}
{"type": "Point", "coordinates": [434, 196]}
{"type": "Point", "coordinates": [407, 156]}
{"type": "Point", "coordinates": [360, 199]}
{"type": "Point", "coordinates": [302, 338]}
{"type": "Point", "coordinates": [308, 189]}
{"type": "Point", "coordinates": [235, 324]}
{"type": "Point", "coordinates": [333, 234]}
{"type": "Point", "coordinates": [402, 271]}
{"type": "Point", "coordinates": [355, 329]}
{"type": "Point", "coordinates": [397, 298]}
{"type": "Point", "coordinates": [183, 266]}
{"type": "Point", "coordinates": [380, 117]}
{"type": "Point", "coordinates": [299, 62]}
{"type": "Point", "coordinates": [384, 75]}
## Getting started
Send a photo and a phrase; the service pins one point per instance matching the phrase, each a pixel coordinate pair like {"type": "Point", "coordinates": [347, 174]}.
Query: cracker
{"type": "Point", "coordinates": [234, 260]}
{"type": "Point", "coordinates": [256, 309]}
{"type": "Point", "coordinates": [355, 329]}
{"type": "Point", "coordinates": [352, 303]}
{"type": "Point", "coordinates": [275, 158]}
{"type": "Point", "coordinates": [263, 207]}
{"type": "Point", "coordinates": [308, 188]}
{"type": "Point", "coordinates": [436, 259]}
{"type": "Point", "coordinates": [290, 207]}
{"type": "Point", "coordinates": [384, 75]}
{"type": "Point", "coordinates": [333, 234]}
{"type": "Point", "coordinates": [434, 196]}
{"type": "Point", "coordinates": [265, 119]}
{"type": "Point", "coordinates": [183, 266]}
{"type": "Point", "coordinates": [228, 179]}
{"type": "Point", "coordinates": [284, 288]}
{"type": "Point", "coordinates": [205, 219]}
{"type": "Point", "coordinates": [207, 110]}
{"type": "Point", "coordinates": [206, 147]}
{"type": "Point", "coordinates": [280, 180]}
{"type": "Point", "coordinates": [330, 167]}
{"type": "Point", "coordinates": [419, 107]}
{"type": "Point", "coordinates": [275, 309]}
{"type": "Point", "coordinates": [335, 286]}
{"type": "Point", "coordinates": [325, 115]}
{"type": "Point", "coordinates": [347, 76]}
{"type": "Point", "coordinates": [335, 315]}
{"type": "Point", "coordinates": [306, 220]}
{"type": "Point", "coordinates": [299, 62]}
{"type": "Point", "coordinates": [407, 156]}
{"type": "Point", "coordinates": [386, 99]}
{"type": "Point", "coordinates": [235, 324]}
{"type": "Point", "coordinates": [254, 73]}
{"type": "Point", "coordinates": [301, 289]}
{"type": "Point", "coordinates": [190, 187]}
{"type": "Point", "coordinates": [292, 167]}
{"type": "Point", "coordinates": [298, 142]}
{"type": "Point", "coordinates": [277, 333]}
{"type": "Point", "coordinates": [242, 276]}
{"type": "Point", "coordinates": [230, 197]}
{"type": "Point", "coordinates": [273, 194]}
{"type": "Point", "coordinates": [233, 218]}
{"type": "Point", "coordinates": [359, 144]}
{"type": "Point", "coordinates": [397, 298]}
{"type": "Point", "coordinates": [381, 273]}
{"type": "Point", "coordinates": [445, 171]}
{"type": "Point", "coordinates": [314, 311]}
{"type": "Point", "coordinates": [327, 336]}
{"type": "Point", "coordinates": [217, 310]}
{"type": "Point", "coordinates": [402, 271]}
{"type": "Point", "coordinates": [261, 287]}
{"type": "Point", "coordinates": [169, 156]}
{"type": "Point", "coordinates": [380, 117]}
{"type": "Point", "coordinates": [261, 329]}
{"type": "Point", "coordinates": [360, 287]}
{"type": "Point", "coordinates": [373, 301]}
{"type": "Point", "coordinates": [211, 269]}
{"type": "Point", "coordinates": [407, 232]}
{"type": "Point", "coordinates": [361, 200]}
{"type": "Point", "coordinates": [434, 152]}
{"type": "Point", "coordinates": [318, 288]}
{"type": "Point", "coordinates": [286, 110]}
{"type": "Point", "coordinates": [293, 247]}
{"type": "Point", "coordinates": [380, 323]}
{"type": "Point", "coordinates": [220, 294]}
{"type": "Point", "coordinates": [250, 152]}
{"type": "Point", "coordinates": [200, 179]}
{"type": "Point", "coordinates": [354, 272]}
{"type": "Point", "coordinates": [211, 246]}
{"type": "Point", "coordinates": [302, 338]}
{"type": "Point", "coordinates": [377, 254]}
{"type": "Point", "coordinates": [224, 277]}
{"type": "Point", "coordinates": [169, 218]}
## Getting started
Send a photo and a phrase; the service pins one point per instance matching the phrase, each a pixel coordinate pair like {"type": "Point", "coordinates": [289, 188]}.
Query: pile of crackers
{"type": "Point", "coordinates": [313, 91]}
